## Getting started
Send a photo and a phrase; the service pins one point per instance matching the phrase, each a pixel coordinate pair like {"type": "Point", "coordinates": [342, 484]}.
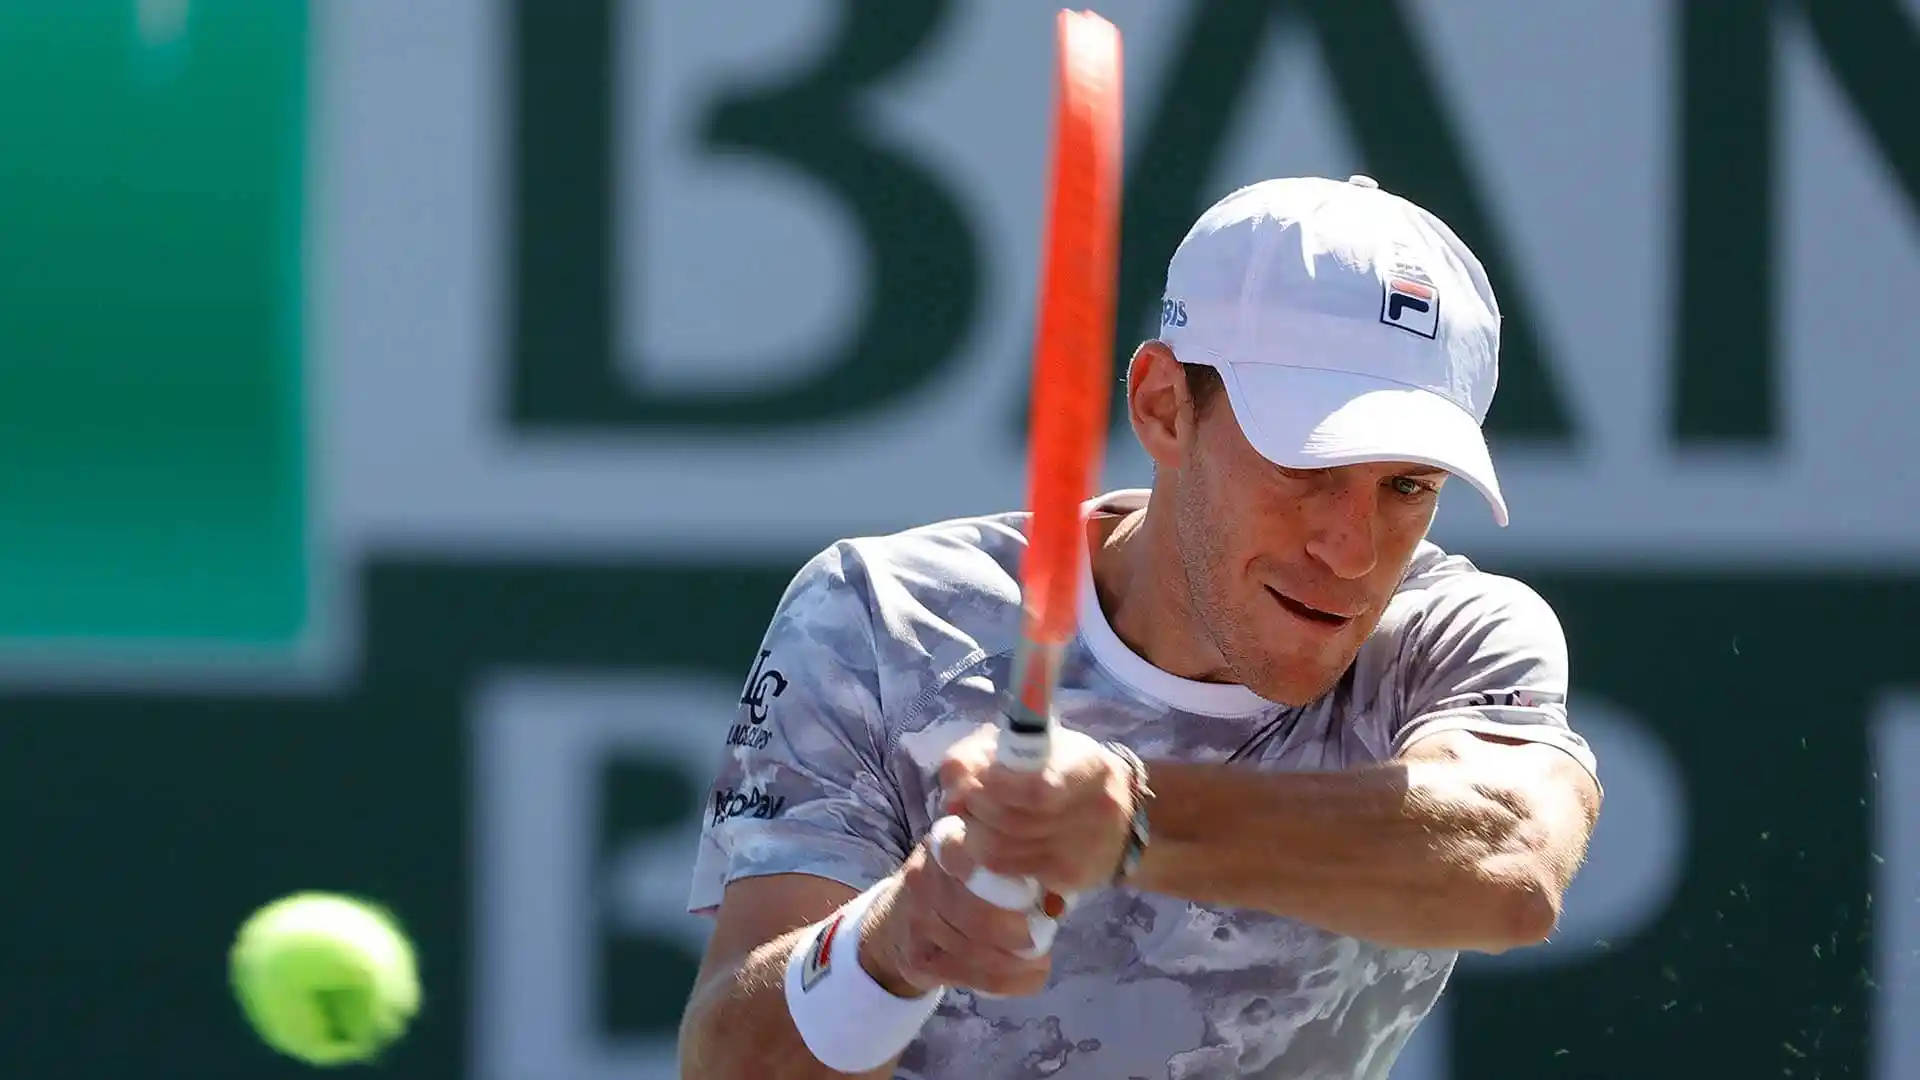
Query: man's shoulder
{"type": "Point", "coordinates": [938, 565]}
{"type": "Point", "coordinates": [1443, 591]}
{"type": "Point", "coordinates": [932, 592]}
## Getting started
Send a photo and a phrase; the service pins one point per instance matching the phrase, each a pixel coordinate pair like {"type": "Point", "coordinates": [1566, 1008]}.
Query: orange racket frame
{"type": "Point", "coordinates": [1073, 352]}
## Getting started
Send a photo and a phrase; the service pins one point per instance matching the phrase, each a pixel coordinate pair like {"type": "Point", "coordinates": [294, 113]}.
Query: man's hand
{"type": "Point", "coordinates": [1065, 825]}
{"type": "Point", "coordinates": [931, 931]}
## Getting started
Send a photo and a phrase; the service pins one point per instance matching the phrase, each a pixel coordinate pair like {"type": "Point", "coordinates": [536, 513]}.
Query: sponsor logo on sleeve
{"type": "Point", "coordinates": [762, 687]}
{"type": "Point", "coordinates": [751, 802]}
{"type": "Point", "coordinates": [1522, 699]}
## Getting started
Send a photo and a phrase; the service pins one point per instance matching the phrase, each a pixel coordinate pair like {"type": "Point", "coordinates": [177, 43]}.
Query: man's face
{"type": "Point", "coordinates": [1288, 570]}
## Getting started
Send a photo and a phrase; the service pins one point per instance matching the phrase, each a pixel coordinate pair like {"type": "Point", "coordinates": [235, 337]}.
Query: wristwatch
{"type": "Point", "coordinates": [1138, 833]}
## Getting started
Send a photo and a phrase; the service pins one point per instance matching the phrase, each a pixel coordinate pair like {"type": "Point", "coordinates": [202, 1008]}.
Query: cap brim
{"type": "Point", "coordinates": [1306, 418]}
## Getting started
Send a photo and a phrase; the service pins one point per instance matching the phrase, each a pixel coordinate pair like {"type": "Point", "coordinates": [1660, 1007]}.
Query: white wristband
{"type": "Point", "coordinates": [849, 1021]}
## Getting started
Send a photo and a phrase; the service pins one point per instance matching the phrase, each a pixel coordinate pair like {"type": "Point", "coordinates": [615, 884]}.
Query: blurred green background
{"type": "Point", "coordinates": [409, 415]}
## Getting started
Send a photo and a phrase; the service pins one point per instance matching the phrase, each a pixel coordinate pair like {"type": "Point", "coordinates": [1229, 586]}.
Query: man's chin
{"type": "Point", "coordinates": [1297, 689]}
{"type": "Point", "coordinates": [1291, 672]}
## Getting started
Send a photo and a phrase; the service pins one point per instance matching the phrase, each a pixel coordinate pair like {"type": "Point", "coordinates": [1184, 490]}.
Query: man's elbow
{"type": "Point", "coordinates": [716, 1038]}
{"type": "Point", "coordinates": [1533, 911]}
{"type": "Point", "coordinates": [694, 1059]}
{"type": "Point", "coordinates": [1525, 881]}
{"type": "Point", "coordinates": [1523, 910]}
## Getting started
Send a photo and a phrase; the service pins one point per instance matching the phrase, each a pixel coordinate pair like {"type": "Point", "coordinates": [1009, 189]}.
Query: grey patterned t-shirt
{"type": "Point", "coordinates": [884, 650]}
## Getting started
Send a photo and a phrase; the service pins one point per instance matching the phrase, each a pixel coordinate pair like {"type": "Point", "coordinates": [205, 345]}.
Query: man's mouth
{"type": "Point", "coordinates": [1308, 611]}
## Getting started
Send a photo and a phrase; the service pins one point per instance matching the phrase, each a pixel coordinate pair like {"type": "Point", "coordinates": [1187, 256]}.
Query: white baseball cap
{"type": "Point", "coordinates": [1348, 324]}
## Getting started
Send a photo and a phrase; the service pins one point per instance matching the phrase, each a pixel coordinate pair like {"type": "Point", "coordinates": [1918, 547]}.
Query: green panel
{"type": "Point", "coordinates": [154, 823]}
{"type": "Point", "coordinates": [1761, 687]}
{"type": "Point", "coordinates": [150, 315]}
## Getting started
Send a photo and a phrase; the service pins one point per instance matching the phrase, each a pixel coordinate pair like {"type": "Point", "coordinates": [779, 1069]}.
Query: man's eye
{"type": "Point", "coordinates": [1409, 487]}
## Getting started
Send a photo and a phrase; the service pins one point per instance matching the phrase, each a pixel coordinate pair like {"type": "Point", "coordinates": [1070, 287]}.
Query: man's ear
{"type": "Point", "coordinates": [1159, 406]}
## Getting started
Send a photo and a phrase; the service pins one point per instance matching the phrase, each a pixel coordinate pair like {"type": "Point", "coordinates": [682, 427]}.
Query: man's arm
{"type": "Point", "coordinates": [736, 1021]}
{"type": "Point", "coordinates": [1466, 841]}
{"type": "Point", "coordinates": [925, 930]}
{"type": "Point", "coordinates": [1466, 838]}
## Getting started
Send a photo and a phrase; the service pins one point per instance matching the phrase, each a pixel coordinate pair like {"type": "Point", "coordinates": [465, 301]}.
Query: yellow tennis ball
{"type": "Point", "coordinates": [325, 978]}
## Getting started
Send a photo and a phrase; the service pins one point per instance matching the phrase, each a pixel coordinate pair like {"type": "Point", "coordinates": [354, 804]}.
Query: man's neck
{"type": "Point", "coordinates": [1138, 580]}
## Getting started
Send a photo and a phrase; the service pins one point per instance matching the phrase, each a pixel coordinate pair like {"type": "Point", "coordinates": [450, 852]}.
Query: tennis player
{"type": "Point", "coordinates": [1307, 757]}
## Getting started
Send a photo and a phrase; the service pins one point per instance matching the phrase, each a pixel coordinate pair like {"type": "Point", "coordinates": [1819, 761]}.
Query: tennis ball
{"type": "Point", "coordinates": [325, 978]}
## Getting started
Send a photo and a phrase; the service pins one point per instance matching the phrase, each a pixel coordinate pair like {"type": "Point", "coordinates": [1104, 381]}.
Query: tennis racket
{"type": "Point", "coordinates": [1068, 425]}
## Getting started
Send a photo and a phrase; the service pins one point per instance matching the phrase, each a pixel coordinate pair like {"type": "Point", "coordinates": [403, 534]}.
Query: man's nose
{"type": "Point", "coordinates": [1342, 533]}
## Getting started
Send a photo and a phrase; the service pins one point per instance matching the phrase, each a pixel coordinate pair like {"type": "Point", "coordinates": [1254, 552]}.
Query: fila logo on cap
{"type": "Point", "coordinates": [1409, 300]}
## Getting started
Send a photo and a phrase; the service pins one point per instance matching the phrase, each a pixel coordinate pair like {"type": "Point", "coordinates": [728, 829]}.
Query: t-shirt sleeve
{"type": "Point", "coordinates": [1492, 660]}
{"type": "Point", "coordinates": [801, 786]}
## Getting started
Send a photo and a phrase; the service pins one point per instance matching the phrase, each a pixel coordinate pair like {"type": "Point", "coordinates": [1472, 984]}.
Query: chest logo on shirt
{"type": "Point", "coordinates": [762, 687]}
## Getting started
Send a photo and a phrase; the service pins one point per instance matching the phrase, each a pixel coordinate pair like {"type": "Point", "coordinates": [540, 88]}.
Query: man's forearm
{"type": "Point", "coordinates": [1410, 855]}
{"type": "Point", "coordinates": [737, 1024]}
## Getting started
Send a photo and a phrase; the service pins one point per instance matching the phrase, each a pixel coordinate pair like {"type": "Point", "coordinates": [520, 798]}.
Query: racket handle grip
{"type": "Point", "coordinates": [1024, 749]}
{"type": "Point", "coordinates": [1025, 745]}
{"type": "Point", "coordinates": [1009, 893]}
{"type": "Point", "coordinates": [1028, 751]}
{"type": "Point", "coordinates": [1006, 893]}
{"type": "Point", "coordinates": [1017, 894]}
